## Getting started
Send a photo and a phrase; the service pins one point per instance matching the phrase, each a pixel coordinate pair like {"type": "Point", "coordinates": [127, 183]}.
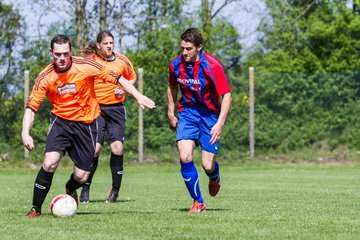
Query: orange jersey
{"type": "Point", "coordinates": [71, 92]}
{"type": "Point", "coordinates": [106, 93]}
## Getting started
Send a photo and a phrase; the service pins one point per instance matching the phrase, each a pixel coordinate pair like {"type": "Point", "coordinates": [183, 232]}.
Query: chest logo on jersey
{"type": "Point", "coordinates": [188, 81]}
{"type": "Point", "coordinates": [67, 88]}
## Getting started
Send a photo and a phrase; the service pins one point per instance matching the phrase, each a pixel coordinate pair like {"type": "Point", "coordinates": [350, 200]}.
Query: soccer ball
{"type": "Point", "coordinates": [63, 205]}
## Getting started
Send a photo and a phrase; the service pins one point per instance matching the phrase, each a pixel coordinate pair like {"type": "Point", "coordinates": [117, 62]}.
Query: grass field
{"type": "Point", "coordinates": [254, 203]}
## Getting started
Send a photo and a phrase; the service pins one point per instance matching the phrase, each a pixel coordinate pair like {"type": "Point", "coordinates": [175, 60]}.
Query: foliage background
{"type": "Point", "coordinates": [306, 60]}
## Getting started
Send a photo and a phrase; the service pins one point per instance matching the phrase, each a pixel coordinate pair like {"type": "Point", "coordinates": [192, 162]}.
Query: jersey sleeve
{"type": "Point", "coordinates": [102, 72]}
{"type": "Point", "coordinates": [171, 78]}
{"type": "Point", "coordinates": [129, 72]}
{"type": "Point", "coordinates": [108, 75]}
{"type": "Point", "coordinates": [38, 92]}
{"type": "Point", "coordinates": [221, 82]}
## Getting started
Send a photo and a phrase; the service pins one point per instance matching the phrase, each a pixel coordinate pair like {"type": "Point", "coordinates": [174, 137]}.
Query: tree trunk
{"type": "Point", "coordinates": [78, 19]}
{"type": "Point", "coordinates": [206, 19]}
{"type": "Point", "coordinates": [103, 8]}
{"type": "Point", "coordinates": [85, 25]}
{"type": "Point", "coordinates": [82, 32]}
{"type": "Point", "coordinates": [120, 30]}
{"type": "Point", "coordinates": [356, 6]}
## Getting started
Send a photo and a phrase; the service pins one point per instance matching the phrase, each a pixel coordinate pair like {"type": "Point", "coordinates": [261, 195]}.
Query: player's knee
{"type": "Point", "coordinates": [117, 152]}
{"type": "Point", "coordinates": [186, 157]}
{"type": "Point", "coordinates": [117, 148]}
{"type": "Point", "coordinates": [81, 177]}
{"type": "Point", "coordinates": [49, 167]}
{"type": "Point", "coordinates": [207, 167]}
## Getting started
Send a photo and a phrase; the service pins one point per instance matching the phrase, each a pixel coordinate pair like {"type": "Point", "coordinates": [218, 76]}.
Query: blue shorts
{"type": "Point", "coordinates": [195, 123]}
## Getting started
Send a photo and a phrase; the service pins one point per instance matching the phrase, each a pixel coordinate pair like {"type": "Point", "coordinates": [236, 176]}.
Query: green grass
{"type": "Point", "coordinates": [254, 203]}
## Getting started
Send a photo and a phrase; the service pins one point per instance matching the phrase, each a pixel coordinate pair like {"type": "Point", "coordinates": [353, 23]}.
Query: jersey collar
{"type": "Point", "coordinates": [110, 59]}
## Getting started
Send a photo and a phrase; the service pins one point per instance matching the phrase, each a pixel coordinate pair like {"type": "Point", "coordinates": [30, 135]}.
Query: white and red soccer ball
{"type": "Point", "coordinates": [63, 205]}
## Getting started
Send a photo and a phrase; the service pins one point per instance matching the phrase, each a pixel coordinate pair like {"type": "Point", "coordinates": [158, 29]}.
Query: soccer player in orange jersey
{"type": "Point", "coordinates": [68, 83]}
{"type": "Point", "coordinates": [112, 119]}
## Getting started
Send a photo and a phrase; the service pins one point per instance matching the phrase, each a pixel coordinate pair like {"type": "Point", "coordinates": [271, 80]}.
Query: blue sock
{"type": "Point", "coordinates": [213, 176]}
{"type": "Point", "coordinates": [191, 179]}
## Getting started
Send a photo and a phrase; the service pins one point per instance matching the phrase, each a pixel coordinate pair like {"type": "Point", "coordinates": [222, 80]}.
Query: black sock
{"type": "Point", "coordinates": [92, 172]}
{"type": "Point", "coordinates": [116, 166]}
{"type": "Point", "coordinates": [72, 184]}
{"type": "Point", "coordinates": [41, 188]}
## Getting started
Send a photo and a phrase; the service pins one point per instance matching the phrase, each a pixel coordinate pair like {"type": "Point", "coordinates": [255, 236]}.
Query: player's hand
{"type": "Point", "coordinates": [144, 101]}
{"type": "Point", "coordinates": [28, 142]}
{"type": "Point", "coordinates": [173, 122]}
{"type": "Point", "coordinates": [216, 132]}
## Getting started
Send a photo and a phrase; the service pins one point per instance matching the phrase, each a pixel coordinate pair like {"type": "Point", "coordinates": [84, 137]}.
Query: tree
{"type": "Point", "coordinates": [103, 8]}
{"type": "Point", "coordinates": [307, 69]}
{"type": "Point", "coordinates": [11, 34]}
{"type": "Point", "coordinates": [78, 18]}
{"type": "Point", "coordinates": [82, 32]}
{"type": "Point", "coordinates": [122, 15]}
{"type": "Point", "coordinates": [208, 13]}
{"type": "Point", "coordinates": [220, 37]}
{"type": "Point", "coordinates": [309, 36]}
{"type": "Point", "coordinates": [224, 43]}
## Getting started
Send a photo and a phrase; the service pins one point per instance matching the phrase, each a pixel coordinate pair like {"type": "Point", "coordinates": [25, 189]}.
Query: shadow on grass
{"type": "Point", "coordinates": [103, 201]}
{"type": "Point", "coordinates": [49, 215]}
{"type": "Point", "coordinates": [207, 209]}
{"type": "Point", "coordinates": [114, 213]}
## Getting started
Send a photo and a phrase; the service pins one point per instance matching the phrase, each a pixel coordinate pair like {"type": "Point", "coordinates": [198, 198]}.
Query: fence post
{"type": "Point", "coordinates": [141, 120]}
{"type": "Point", "coordinates": [26, 95]}
{"type": "Point", "coordinates": [252, 127]}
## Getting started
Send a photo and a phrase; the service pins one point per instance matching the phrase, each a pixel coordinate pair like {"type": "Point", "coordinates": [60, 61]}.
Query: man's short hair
{"type": "Point", "coordinates": [59, 39]}
{"type": "Point", "coordinates": [192, 35]}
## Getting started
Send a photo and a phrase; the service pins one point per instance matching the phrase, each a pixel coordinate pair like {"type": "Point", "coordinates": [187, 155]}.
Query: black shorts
{"type": "Point", "coordinates": [76, 138]}
{"type": "Point", "coordinates": [112, 123]}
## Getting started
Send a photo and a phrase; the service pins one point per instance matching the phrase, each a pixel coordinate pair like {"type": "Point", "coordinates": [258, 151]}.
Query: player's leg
{"type": "Point", "coordinates": [209, 152]}
{"type": "Point", "coordinates": [56, 143]}
{"type": "Point", "coordinates": [190, 174]}
{"type": "Point", "coordinates": [212, 170]}
{"type": "Point", "coordinates": [85, 191]}
{"type": "Point", "coordinates": [81, 151]}
{"type": "Point", "coordinates": [77, 179]}
{"type": "Point", "coordinates": [186, 136]}
{"type": "Point", "coordinates": [115, 131]}
{"type": "Point", "coordinates": [43, 181]}
{"type": "Point", "coordinates": [116, 167]}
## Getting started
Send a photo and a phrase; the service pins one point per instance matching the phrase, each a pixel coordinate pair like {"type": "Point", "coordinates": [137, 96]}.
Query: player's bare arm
{"type": "Point", "coordinates": [216, 130]}
{"type": "Point", "coordinates": [142, 100]}
{"type": "Point", "coordinates": [27, 123]}
{"type": "Point", "coordinates": [120, 91]}
{"type": "Point", "coordinates": [172, 92]}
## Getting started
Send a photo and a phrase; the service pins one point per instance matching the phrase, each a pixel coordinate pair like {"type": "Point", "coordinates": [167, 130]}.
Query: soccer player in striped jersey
{"type": "Point", "coordinates": [113, 114]}
{"type": "Point", "coordinates": [68, 83]}
{"type": "Point", "coordinates": [201, 116]}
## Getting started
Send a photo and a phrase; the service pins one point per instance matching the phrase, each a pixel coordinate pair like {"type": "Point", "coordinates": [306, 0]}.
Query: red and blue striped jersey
{"type": "Point", "coordinates": [201, 82]}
